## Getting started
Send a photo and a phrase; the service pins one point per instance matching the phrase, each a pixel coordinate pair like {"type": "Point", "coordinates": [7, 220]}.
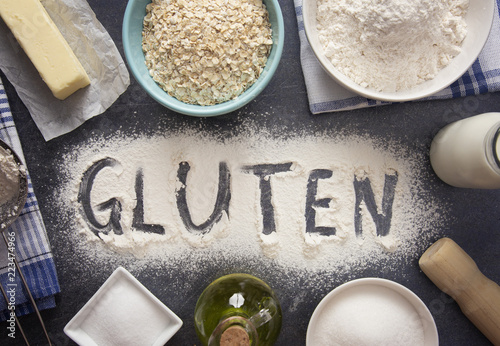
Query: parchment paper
{"type": "Point", "coordinates": [96, 51]}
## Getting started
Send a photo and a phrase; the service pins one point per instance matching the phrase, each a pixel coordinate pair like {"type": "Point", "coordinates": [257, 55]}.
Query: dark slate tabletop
{"type": "Point", "coordinates": [474, 213]}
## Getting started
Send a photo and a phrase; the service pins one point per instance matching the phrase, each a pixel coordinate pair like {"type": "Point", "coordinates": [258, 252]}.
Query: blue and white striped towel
{"type": "Point", "coordinates": [32, 246]}
{"type": "Point", "coordinates": [325, 95]}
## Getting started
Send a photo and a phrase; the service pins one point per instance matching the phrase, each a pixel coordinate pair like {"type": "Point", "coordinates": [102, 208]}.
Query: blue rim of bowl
{"type": "Point", "coordinates": [158, 94]}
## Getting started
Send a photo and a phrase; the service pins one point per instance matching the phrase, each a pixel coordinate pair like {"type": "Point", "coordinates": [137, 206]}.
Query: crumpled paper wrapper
{"type": "Point", "coordinates": [97, 52]}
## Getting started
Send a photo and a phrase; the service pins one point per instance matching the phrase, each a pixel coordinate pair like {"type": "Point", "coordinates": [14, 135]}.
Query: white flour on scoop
{"type": "Point", "coordinates": [352, 236]}
{"type": "Point", "coordinates": [9, 177]}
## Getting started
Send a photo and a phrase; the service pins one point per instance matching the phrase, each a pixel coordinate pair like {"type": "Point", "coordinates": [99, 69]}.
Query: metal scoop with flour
{"type": "Point", "coordinates": [13, 186]}
{"type": "Point", "coordinates": [13, 195]}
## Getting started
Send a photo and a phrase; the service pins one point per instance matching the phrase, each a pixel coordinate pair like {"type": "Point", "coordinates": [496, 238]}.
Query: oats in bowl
{"type": "Point", "coordinates": [206, 52]}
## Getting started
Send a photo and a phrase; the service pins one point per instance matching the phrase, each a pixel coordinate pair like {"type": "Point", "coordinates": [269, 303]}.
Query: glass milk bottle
{"type": "Point", "coordinates": [238, 309]}
{"type": "Point", "coordinates": [466, 153]}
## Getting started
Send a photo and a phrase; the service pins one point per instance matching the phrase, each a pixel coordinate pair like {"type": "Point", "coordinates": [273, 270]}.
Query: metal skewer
{"type": "Point", "coordinates": [18, 324]}
{"type": "Point", "coordinates": [28, 291]}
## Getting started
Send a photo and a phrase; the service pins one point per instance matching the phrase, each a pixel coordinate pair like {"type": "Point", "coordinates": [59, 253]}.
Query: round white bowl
{"type": "Point", "coordinates": [132, 46]}
{"type": "Point", "coordinates": [368, 286]}
{"type": "Point", "coordinates": [479, 19]}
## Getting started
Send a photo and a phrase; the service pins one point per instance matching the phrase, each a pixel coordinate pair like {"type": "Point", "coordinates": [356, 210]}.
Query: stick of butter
{"type": "Point", "coordinates": [45, 46]}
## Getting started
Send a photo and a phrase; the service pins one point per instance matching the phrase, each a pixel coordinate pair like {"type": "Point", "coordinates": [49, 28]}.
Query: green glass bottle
{"type": "Point", "coordinates": [238, 309]}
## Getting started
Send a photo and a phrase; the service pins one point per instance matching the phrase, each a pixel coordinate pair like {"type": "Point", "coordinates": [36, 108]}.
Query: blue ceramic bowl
{"type": "Point", "coordinates": [132, 45]}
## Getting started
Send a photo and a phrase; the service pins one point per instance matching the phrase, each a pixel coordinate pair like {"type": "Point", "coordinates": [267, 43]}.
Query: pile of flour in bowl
{"type": "Point", "coordinates": [391, 45]}
{"type": "Point", "coordinates": [304, 203]}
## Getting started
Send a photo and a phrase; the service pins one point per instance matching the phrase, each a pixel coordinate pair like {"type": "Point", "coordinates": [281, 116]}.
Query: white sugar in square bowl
{"type": "Point", "coordinates": [123, 312]}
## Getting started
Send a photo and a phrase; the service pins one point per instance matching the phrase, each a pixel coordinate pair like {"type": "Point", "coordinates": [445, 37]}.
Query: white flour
{"type": "Point", "coordinates": [9, 177]}
{"type": "Point", "coordinates": [240, 234]}
{"type": "Point", "coordinates": [391, 45]}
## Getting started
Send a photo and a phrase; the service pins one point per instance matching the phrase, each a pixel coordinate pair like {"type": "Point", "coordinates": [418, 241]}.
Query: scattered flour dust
{"type": "Point", "coordinates": [391, 45]}
{"type": "Point", "coordinates": [239, 234]}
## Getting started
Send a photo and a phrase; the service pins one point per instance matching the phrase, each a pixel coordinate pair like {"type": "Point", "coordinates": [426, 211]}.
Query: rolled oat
{"type": "Point", "coordinates": [206, 52]}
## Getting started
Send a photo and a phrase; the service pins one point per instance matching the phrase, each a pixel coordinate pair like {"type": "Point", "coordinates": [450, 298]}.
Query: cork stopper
{"type": "Point", "coordinates": [235, 336]}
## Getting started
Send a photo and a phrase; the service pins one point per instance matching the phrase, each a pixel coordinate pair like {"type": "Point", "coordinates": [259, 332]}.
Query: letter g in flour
{"type": "Point", "coordinates": [113, 204]}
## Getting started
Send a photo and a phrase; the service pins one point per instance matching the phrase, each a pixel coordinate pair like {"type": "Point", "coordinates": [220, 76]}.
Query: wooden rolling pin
{"type": "Point", "coordinates": [456, 273]}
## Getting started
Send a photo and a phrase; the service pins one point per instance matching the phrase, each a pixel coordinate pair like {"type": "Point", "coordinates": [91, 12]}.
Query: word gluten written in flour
{"type": "Point", "coordinates": [363, 192]}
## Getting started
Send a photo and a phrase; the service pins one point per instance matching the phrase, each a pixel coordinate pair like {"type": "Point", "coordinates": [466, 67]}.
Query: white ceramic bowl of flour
{"type": "Point", "coordinates": [371, 311]}
{"type": "Point", "coordinates": [479, 19]}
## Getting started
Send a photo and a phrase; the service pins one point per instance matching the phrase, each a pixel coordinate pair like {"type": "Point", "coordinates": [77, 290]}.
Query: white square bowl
{"type": "Point", "coordinates": [123, 312]}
